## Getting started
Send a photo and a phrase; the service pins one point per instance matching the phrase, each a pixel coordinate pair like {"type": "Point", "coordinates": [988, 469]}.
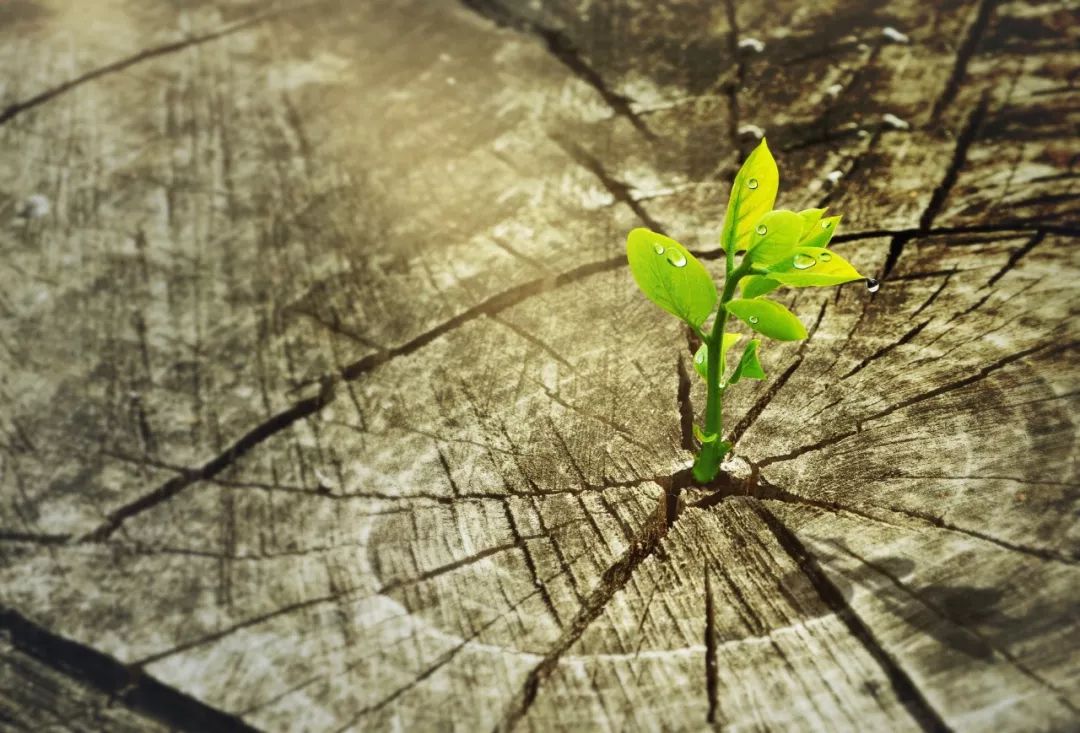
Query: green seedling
{"type": "Point", "coordinates": [779, 248]}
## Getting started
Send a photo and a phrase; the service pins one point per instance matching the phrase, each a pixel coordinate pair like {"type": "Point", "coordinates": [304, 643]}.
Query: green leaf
{"type": "Point", "coordinates": [670, 276]}
{"type": "Point", "coordinates": [755, 285]}
{"type": "Point", "coordinates": [774, 237]}
{"type": "Point", "coordinates": [812, 266]}
{"type": "Point", "coordinates": [752, 196]}
{"type": "Point", "coordinates": [768, 317]}
{"type": "Point", "coordinates": [703, 437]}
{"type": "Point", "coordinates": [810, 218]}
{"type": "Point", "coordinates": [749, 366]}
{"type": "Point", "coordinates": [821, 232]}
{"type": "Point", "coordinates": [701, 358]}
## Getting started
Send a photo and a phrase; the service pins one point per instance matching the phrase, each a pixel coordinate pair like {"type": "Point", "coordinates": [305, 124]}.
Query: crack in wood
{"type": "Point", "coordinates": [16, 108]}
{"type": "Point", "coordinates": [941, 192]}
{"type": "Point", "coordinates": [562, 48]}
{"type": "Point", "coordinates": [763, 401]}
{"type": "Point", "coordinates": [906, 338]}
{"type": "Point", "coordinates": [964, 54]}
{"type": "Point", "coordinates": [980, 638]}
{"type": "Point", "coordinates": [1017, 255]}
{"type": "Point", "coordinates": [618, 190]}
{"type": "Point", "coordinates": [905, 689]}
{"type": "Point", "coordinates": [172, 487]}
{"type": "Point", "coordinates": [130, 686]}
{"type": "Point", "coordinates": [613, 580]}
{"type": "Point", "coordinates": [711, 674]}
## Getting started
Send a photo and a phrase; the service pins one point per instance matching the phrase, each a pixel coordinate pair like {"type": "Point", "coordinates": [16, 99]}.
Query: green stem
{"type": "Point", "coordinates": [711, 454]}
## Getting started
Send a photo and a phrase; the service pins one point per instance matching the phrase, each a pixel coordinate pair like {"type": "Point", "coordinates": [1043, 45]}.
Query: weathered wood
{"type": "Point", "coordinates": [327, 401]}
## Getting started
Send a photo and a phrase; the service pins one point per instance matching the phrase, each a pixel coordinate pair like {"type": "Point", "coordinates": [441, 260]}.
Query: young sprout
{"type": "Point", "coordinates": [779, 248]}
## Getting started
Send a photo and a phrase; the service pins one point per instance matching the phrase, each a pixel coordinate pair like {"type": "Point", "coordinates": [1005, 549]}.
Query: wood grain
{"type": "Point", "coordinates": [327, 401]}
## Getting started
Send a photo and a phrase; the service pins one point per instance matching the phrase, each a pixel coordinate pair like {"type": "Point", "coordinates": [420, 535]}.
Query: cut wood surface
{"type": "Point", "coordinates": [328, 402]}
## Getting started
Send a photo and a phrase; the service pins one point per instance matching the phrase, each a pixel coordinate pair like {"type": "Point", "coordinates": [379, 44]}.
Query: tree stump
{"type": "Point", "coordinates": [327, 400]}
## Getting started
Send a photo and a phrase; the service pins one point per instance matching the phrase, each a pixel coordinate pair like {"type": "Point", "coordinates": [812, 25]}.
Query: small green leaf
{"type": "Point", "coordinates": [752, 196]}
{"type": "Point", "coordinates": [820, 233]}
{"type": "Point", "coordinates": [749, 366]}
{"type": "Point", "coordinates": [704, 437]}
{"type": "Point", "coordinates": [812, 266]}
{"type": "Point", "coordinates": [768, 317]}
{"type": "Point", "coordinates": [701, 358]}
{"type": "Point", "coordinates": [755, 285]}
{"type": "Point", "coordinates": [810, 218]}
{"type": "Point", "coordinates": [774, 237]}
{"type": "Point", "coordinates": [670, 276]}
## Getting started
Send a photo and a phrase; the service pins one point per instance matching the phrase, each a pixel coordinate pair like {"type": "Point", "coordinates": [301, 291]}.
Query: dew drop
{"type": "Point", "coordinates": [803, 261]}
{"type": "Point", "coordinates": [658, 248]}
{"type": "Point", "coordinates": [872, 285]}
{"type": "Point", "coordinates": [824, 256]}
{"type": "Point", "coordinates": [753, 319]}
{"type": "Point", "coordinates": [676, 258]}
{"type": "Point", "coordinates": [826, 224]}
{"type": "Point", "coordinates": [699, 358]}
{"type": "Point", "coordinates": [752, 183]}
{"type": "Point", "coordinates": [761, 229]}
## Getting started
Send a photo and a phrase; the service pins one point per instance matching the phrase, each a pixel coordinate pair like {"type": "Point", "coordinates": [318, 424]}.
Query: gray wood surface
{"type": "Point", "coordinates": [327, 401]}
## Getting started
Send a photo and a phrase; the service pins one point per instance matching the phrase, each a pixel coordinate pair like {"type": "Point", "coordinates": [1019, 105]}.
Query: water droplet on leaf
{"type": "Point", "coordinates": [824, 256]}
{"type": "Point", "coordinates": [699, 358]}
{"type": "Point", "coordinates": [761, 229]}
{"type": "Point", "coordinates": [803, 261]}
{"type": "Point", "coordinates": [658, 248]}
{"type": "Point", "coordinates": [826, 224]}
{"type": "Point", "coordinates": [872, 285]}
{"type": "Point", "coordinates": [753, 319]}
{"type": "Point", "coordinates": [752, 183]}
{"type": "Point", "coordinates": [676, 258]}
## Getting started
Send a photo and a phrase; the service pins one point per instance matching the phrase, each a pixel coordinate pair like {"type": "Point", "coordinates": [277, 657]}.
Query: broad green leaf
{"type": "Point", "coordinates": [704, 437]}
{"type": "Point", "coordinates": [701, 358]}
{"type": "Point", "coordinates": [670, 276]}
{"type": "Point", "coordinates": [749, 366]}
{"type": "Point", "coordinates": [810, 218]}
{"type": "Point", "coordinates": [769, 318]}
{"type": "Point", "coordinates": [752, 196]}
{"type": "Point", "coordinates": [755, 285]}
{"type": "Point", "coordinates": [774, 237]}
{"type": "Point", "coordinates": [820, 233]}
{"type": "Point", "coordinates": [812, 266]}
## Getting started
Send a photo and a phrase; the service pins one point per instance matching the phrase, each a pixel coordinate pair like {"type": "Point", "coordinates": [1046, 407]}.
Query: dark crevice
{"type": "Point", "coordinates": [964, 53]}
{"type": "Point", "coordinates": [936, 392]}
{"type": "Point", "coordinates": [613, 580]}
{"type": "Point", "coordinates": [907, 337]}
{"type": "Point", "coordinates": [17, 108]}
{"type": "Point", "coordinates": [960, 151]}
{"type": "Point", "coordinates": [937, 199]}
{"type": "Point", "coordinates": [978, 376]}
{"type": "Point", "coordinates": [733, 85]}
{"type": "Point", "coordinates": [238, 626]}
{"type": "Point", "coordinates": [618, 190]}
{"type": "Point", "coordinates": [1005, 227]}
{"type": "Point", "coordinates": [766, 490]}
{"type": "Point", "coordinates": [763, 401]}
{"type": "Point", "coordinates": [129, 686]}
{"type": "Point", "coordinates": [1016, 256]}
{"type": "Point", "coordinates": [977, 636]}
{"type": "Point", "coordinates": [905, 689]}
{"type": "Point", "coordinates": [562, 48]}
{"type": "Point", "coordinates": [172, 487]}
{"type": "Point", "coordinates": [934, 296]}
{"type": "Point", "coordinates": [711, 676]}
{"type": "Point", "coordinates": [530, 563]}
{"type": "Point", "coordinates": [760, 488]}
{"type": "Point", "coordinates": [686, 408]}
